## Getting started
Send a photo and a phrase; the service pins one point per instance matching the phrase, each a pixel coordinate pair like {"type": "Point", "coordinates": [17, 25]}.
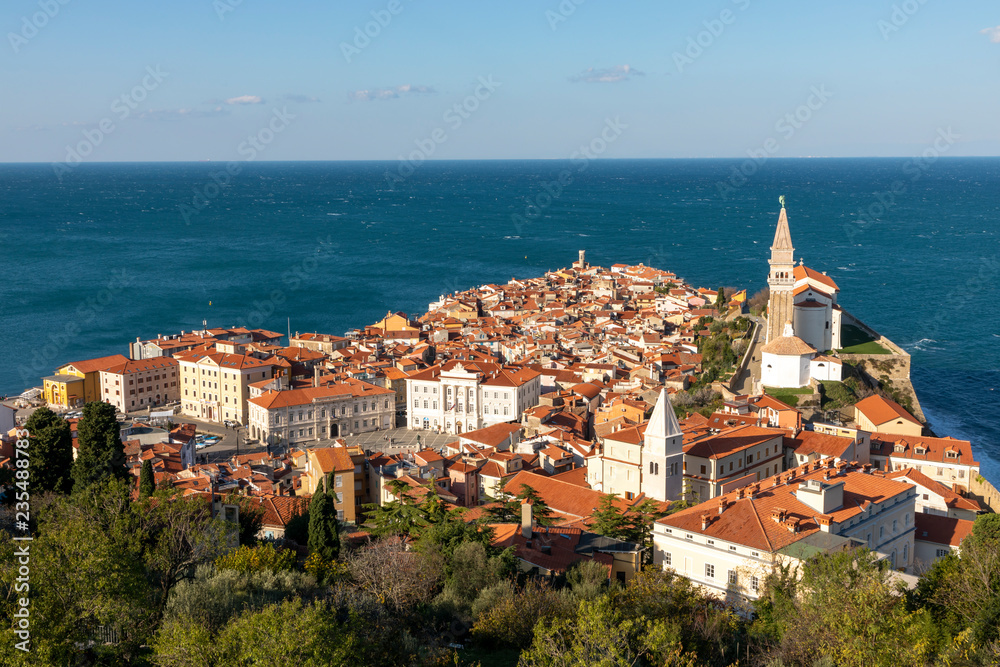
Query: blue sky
{"type": "Point", "coordinates": [866, 78]}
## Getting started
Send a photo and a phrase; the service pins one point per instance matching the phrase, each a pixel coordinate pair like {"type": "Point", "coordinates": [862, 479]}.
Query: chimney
{"type": "Point", "coordinates": [722, 505]}
{"type": "Point", "coordinates": [778, 514]}
{"type": "Point", "coordinates": [705, 520]}
{"type": "Point", "coordinates": [825, 522]}
{"type": "Point", "coordinates": [315, 376]}
{"type": "Point", "coordinates": [526, 520]}
{"type": "Point", "coordinates": [866, 468]}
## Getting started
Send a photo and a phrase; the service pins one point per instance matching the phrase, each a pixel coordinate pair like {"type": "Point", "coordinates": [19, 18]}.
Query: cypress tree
{"type": "Point", "coordinates": [147, 483]}
{"type": "Point", "coordinates": [51, 452]}
{"type": "Point", "coordinates": [323, 530]}
{"type": "Point", "coordinates": [101, 454]}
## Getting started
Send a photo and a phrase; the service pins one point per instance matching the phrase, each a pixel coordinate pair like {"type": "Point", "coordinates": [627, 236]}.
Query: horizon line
{"type": "Point", "coordinates": [533, 159]}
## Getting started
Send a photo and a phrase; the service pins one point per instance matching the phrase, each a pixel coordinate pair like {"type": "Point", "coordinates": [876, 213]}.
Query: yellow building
{"type": "Point", "coordinates": [343, 469]}
{"type": "Point", "coordinates": [394, 322]}
{"type": "Point", "coordinates": [78, 382]}
{"type": "Point", "coordinates": [215, 386]}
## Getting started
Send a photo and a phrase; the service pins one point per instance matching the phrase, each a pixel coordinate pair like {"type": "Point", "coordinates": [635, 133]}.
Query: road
{"type": "Point", "coordinates": [745, 384]}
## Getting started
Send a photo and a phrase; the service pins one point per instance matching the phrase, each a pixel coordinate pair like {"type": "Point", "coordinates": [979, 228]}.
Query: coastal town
{"type": "Point", "coordinates": [751, 430]}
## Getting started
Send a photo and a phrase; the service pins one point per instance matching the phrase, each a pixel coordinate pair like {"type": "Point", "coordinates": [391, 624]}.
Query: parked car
{"type": "Point", "coordinates": [231, 423]}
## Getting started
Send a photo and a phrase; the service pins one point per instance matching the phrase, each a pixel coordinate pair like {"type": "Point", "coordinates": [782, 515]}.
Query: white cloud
{"type": "Point", "coordinates": [373, 94]}
{"type": "Point", "coordinates": [245, 99]}
{"type": "Point", "coordinates": [992, 33]}
{"type": "Point", "coordinates": [609, 75]}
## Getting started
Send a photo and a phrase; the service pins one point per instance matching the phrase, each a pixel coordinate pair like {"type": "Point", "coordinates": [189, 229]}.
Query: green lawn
{"type": "Point", "coordinates": [789, 396]}
{"type": "Point", "coordinates": [856, 341]}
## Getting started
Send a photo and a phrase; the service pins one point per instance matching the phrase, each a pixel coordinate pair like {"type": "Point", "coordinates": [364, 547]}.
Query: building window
{"type": "Point", "coordinates": [667, 559]}
{"type": "Point", "coordinates": [941, 553]}
{"type": "Point", "coordinates": [733, 577]}
{"type": "Point", "coordinates": [709, 571]}
{"type": "Point", "coordinates": [754, 584]}
{"type": "Point", "coordinates": [732, 548]}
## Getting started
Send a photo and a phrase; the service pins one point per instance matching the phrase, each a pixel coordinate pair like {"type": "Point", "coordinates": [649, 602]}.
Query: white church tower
{"type": "Point", "coordinates": [662, 453]}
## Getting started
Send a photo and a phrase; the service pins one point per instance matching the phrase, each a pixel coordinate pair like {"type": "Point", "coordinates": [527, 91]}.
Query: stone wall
{"type": "Point", "coordinates": [981, 490]}
{"type": "Point", "coordinates": [895, 365]}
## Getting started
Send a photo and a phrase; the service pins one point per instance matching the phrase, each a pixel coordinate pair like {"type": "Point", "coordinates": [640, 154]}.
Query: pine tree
{"type": "Point", "coordinates": [610, 520]}
{"type": "Point", "coordinates": [101, 455]}
{"type": "Point", "coordinates": [51, 454]}
{"type": "Point", "coordinates": [539, 508]}
{"type": "Point", "coordinates": [147, 483]}
{"type": "Point", "coordinates": [324, 536]}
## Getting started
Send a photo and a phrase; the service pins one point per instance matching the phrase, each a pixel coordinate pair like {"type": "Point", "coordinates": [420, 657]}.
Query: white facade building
{"type": "Point", "coordinates": [729, 544]}
{"type": "Point", "coordinates": [461, 396]}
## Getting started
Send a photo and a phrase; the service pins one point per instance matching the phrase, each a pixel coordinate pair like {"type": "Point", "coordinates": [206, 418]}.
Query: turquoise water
{"type": "Point", "coordinates": [116, 251]}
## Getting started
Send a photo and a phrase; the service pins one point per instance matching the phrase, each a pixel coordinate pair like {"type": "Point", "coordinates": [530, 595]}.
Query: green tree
{"type": "Point", "coordinates": [848, 610]}
{"type": "Point", "coordinates": [539, 508]}
{"type": "Point", "coordinates": [297, 633]}
{"type": "Point", "coordinates": [251, 516]}
{"type": "Point", "coordinates": [260, 558]}
{"type": "Point", "coordinates": [101, 454]}
{"type": "Point", "coordinates": [51, 452]}
{"type": "Point", "coordinates": [179, 533]}
{"type": "Point", "coordinates": [611, 520]}
{"type": "Point", "coordinates": [87, 570]}
{"type": "Point", "coordinates": [147, 482]}
{"type": "Point", "coordinates": [323, 529]}
{"type": "Point", "coordinates": [720, 300]}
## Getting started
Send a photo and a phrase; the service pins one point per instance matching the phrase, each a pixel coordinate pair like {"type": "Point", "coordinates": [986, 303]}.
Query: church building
{"type": "Point", "coordinates": [803, 318]}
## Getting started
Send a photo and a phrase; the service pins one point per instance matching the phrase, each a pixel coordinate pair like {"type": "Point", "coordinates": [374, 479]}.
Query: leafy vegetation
{"type": "Point", "coordinates": [122, 579]}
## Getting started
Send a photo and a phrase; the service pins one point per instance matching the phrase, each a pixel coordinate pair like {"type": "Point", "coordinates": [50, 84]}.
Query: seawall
{"type": "Point", "coordinates": [895, 366]}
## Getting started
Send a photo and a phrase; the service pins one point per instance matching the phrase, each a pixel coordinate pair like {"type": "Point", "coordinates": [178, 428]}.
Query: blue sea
{"type": "Point", "coordinates": [111, 252]}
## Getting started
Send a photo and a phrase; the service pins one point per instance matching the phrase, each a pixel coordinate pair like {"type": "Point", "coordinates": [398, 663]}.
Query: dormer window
{"type": "Point", "coordinates": [951, 454]}
{"type": "Point", "coordinates": [899, 449]}
{"type": "Point", "coordinates": [921, 450]}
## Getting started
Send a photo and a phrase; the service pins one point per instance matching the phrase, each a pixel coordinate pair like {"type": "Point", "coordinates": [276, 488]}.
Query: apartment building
{"type": "Point", "coordinates": [945, 460]}
{"type": "Point", "coordinates": [135, 384]}
{"type": "Point", "coordinates": [730, 543]}
{"type": "Point", "coordinates": [216, 386]}
{"type": "Point", "coordinates": [719, 463]}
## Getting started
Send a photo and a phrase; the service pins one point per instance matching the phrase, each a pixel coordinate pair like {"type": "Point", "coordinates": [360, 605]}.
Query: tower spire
{"type": "Point", "coordinates": [782, 235]}
{"type": "Point", "coordinates": [780, 279]}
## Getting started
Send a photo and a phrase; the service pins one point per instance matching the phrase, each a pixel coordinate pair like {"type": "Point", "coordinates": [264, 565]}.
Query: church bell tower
{"type": "Point", "coordinates": [780, 279]}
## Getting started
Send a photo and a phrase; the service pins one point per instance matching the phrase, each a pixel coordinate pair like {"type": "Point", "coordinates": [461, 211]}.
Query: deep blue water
{"type": "Point", "coordinates": [107, 254]}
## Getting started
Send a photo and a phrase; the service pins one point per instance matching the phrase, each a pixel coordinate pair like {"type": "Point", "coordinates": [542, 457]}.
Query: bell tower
{"type": "Point", "coordinates": [780, 278]}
